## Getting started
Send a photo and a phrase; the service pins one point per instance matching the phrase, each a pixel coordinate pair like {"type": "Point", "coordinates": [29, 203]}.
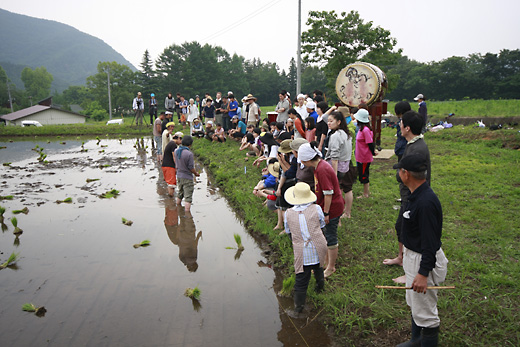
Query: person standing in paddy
{"type": "Point", "coordinates": [168, 164]}
{"type": "Point", "coordinates": [185, 164]}
{"type": "Point", "coordinates": [329, 197]}
{"type": "Point", "coordinates": [365, 150]}
{"type": "Point", "coordinates": [304, 222]}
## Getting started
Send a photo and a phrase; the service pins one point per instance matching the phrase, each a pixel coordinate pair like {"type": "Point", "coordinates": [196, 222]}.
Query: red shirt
{"type": "Point", "coordinates": [326, 180]}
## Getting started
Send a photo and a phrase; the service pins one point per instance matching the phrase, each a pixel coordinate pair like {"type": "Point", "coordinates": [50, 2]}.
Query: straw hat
{"type": "Point", "coordinates": [196, 120]}
{"type": "Point", "coordinates": [300, 194]}
{"type": "Point", "coordinates": [285, 146]}
{"type": "Point", "coordinates": [362, 115]}
{"type": "Point", "coordinates": [250, 96]}
{"type": "Point", "coordinates": [274, 169]}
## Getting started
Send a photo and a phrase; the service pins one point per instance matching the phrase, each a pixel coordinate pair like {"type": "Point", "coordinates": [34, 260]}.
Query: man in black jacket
{"type": "Point", "coordinates": [411, 126]}
{"type": "Point", "coordinates": [424, 261]}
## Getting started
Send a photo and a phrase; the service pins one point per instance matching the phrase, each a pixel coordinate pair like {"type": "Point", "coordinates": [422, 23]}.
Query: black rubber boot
{"type": "Point", "coordinates": [430, 337]}
{"type": "Point", "coordinates": [415, 341]}
{"type": "Point", "coordinates": [299, 302]}
{"type": "Point", "coordinates": [320, 280]}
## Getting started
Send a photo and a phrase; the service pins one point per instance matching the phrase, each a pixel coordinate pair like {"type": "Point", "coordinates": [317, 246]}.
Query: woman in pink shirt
{"type": "Point", "coordinates": [365, 150]}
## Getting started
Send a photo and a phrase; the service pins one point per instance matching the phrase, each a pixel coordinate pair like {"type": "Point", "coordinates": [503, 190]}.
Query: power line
{"type": "Point", "coordinates": [241, 21]}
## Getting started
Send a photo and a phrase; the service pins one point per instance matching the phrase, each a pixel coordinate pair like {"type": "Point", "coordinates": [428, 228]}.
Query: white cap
{"type": "Point", "coordinates": [419, 96]}
{"type": "Point", "coordinates": [311, 105]}
{"type": "Point", "coordinates": [300, 96]}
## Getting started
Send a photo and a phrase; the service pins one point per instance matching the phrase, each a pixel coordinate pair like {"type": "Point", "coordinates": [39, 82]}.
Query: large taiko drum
{"type": "Point", "coordinates": [360, 83]}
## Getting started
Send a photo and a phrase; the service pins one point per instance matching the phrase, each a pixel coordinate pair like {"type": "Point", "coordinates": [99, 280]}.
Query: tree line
{"type": "Point", "coordinates": [331, 42]}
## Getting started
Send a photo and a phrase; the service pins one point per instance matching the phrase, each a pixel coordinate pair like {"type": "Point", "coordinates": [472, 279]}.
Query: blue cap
{"type": "Point", "coordinates": [152, 94]}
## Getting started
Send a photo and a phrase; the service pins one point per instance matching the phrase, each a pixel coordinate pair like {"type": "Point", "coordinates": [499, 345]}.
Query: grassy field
{"type": "Point", "coordinates": [469, 108]}
{"type": "Point", "coordinates": [475, 175]}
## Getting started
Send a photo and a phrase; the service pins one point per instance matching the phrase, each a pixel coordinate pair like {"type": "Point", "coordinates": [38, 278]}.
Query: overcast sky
{"type": "Point", "coordinates": [425, 30]}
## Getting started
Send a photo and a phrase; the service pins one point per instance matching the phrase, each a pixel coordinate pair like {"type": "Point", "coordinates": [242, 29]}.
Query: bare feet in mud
{"type": "Point", "coordinates": [395, 261]}
{"type": "Point", "coordinates": [344, 215]}
{"type": "Point", "coordinates": [278, 227]}
{"type": "Point", "coordinates": [400, 279]}
{"type": "Point", "coordinates": [362, 196]}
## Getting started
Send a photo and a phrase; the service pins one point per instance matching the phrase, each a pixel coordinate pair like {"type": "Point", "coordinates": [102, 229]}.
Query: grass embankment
{"type": "Point", "coordinates": [476, 179]}
{"type": "Point", "coordinates": [469, 108]}
{"type": "Point", "coordinates": [99, 128]}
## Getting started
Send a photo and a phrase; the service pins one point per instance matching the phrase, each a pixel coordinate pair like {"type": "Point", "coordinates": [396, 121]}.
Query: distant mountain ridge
{"type": "Point", "coordinates": [67, 53]}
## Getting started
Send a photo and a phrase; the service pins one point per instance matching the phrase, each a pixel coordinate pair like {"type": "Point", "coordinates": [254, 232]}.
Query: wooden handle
{"type": "Point", "coordinates": [399, 287]}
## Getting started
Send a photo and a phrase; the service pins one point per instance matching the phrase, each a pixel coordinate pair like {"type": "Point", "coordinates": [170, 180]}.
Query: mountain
{"type": "Point", "coordinates": [67, 53]}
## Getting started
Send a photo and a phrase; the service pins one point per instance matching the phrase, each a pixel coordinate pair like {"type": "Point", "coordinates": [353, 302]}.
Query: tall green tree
{"type": "Point", "coordinates": [123, 81]}
{"type": "Point", "coordinates": [147, 76]}
{"type": "Point", "coordinates": [291, 77]}
{"type": "Point", "coordinates": [336, 41]}
{"type": "Point", "coordinates": [37, 82]}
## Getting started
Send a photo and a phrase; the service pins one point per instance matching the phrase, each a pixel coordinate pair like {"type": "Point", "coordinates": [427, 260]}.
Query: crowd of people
{"type": "Point", "coordinates": [308, 175]}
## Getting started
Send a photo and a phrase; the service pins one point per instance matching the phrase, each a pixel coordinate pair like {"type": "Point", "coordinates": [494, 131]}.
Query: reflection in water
{"type": "Point", "coordinates": [181, 231]}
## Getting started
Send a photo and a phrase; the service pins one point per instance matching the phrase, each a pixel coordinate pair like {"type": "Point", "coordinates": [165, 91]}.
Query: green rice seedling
{"type": "Point", "coordinates": [6, 197]}
{"type": "Point", "coordinates": [126, 221]}
{"type": "Point", "coordinates": [238, 240]}
{"type": "Point", "coordinates": [7, 164]}
{"type": "Point", "coordinates": [66, 201]}
{"type": "Point", "coordinates": [193, 293]}
{"type": "Point", "coordinates": [39, 311]}
{"type": "Point", "coordinates": [98, 140]}
{"type": "Point", "coordinates": [3, 147]}
{"type": "Point", "coordinates": [10, 261]}
{"type": "Point", "coordinates": [144, 243]}
{"type": "Point", "coordinates": [25, 210]}
{"type": "Point", "coordinates": [287, 286]}
{"type": "Point", "coordinates": [106, 165]}
{"type": "Point", "coordinates": [110, 194]}
{"type": "Point", "coordinates": [17, 231]}
{"type": "Point", "coordinates": [120, 141]}
{"type": "Point", "coordinates": [103, 146]}
{"type": "Point", "coordinates": [101, 151]}
{"type": "Point", "coordinates": [92, 179]}
{"type": "Point", "coordinates": [63, 143]}
{"type": "Point", "coordinates": [2, 211]}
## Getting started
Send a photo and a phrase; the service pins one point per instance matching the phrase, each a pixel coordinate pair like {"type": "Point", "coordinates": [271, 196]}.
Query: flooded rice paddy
{"type": "Point", "coordinates": [77, 259]}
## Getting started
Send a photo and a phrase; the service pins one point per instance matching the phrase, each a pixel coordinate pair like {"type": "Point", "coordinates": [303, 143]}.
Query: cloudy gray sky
{"type": "Point", "coordinates": [425, 30]}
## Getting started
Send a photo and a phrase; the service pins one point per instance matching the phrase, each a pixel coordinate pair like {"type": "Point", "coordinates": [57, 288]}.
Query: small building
{"type": "Point", "coordinates": [45, 114]}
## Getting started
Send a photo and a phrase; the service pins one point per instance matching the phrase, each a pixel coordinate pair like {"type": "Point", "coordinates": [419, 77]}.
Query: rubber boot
{"type": "Point", "coordinates": [299, 302]}
{"type": "Point", "coordinates": [320, 280]}
{"type": "Point", "coordinates": [415, 341]}
{"type": "Point", "coordinates": [430, 337]}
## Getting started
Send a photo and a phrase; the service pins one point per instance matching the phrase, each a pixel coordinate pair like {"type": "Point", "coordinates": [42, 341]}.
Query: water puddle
{"type": "Point", "coordinates": [77, 259]}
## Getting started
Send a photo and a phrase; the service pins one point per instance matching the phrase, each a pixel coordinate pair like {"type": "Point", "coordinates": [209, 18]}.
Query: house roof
{"type": "Point", "coordinates": [33, 110]}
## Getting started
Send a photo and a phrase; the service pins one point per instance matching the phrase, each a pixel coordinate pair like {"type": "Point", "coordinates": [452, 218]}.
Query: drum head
{"type": "Point", "coordinates": [360, 83]}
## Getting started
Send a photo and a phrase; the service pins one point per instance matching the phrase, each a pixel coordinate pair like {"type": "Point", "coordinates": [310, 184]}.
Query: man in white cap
{"type": "Point", "coordinates": [138, 107]}
{"type": "Point", "coordinates": [422, 109]}
{"type": "Point", "coordinates": [311, 110]}
{"type": "Point", "coordinates": [300, 106]}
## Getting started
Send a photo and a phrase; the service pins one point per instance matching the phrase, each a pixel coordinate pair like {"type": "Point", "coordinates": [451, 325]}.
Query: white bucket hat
{"type": "Point", "coordinates": [362, 115]}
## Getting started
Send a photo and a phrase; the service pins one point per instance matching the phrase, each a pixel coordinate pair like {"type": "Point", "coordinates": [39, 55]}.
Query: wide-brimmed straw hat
{"type": "Point", "coordinates": [250, 96]}
{"type": "Point", "coordinates": [274, 169]}
{"type": "Point", "coordinates": [285, 146]}
{"type": "Point", "coordinates": [300, 194]}
{"type": "Point", "coordinates": [362, 115]}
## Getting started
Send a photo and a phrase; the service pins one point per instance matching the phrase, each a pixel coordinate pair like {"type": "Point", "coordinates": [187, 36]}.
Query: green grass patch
{"type": "Point", "coordinates": [469, 108]}
{"type": "Point", "coordinates": [474, 173]}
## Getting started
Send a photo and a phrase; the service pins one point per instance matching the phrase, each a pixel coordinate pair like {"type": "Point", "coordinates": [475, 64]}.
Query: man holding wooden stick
{"type": "Point", "coordinates": [424, 261]}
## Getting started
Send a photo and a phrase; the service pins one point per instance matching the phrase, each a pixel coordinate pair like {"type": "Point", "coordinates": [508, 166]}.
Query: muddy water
{"type": "Point", "coordinates": [78, 259]}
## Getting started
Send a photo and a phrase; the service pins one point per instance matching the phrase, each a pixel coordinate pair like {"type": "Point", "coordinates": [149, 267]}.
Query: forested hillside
{"type": "Point", "coordinates": [68, 54]}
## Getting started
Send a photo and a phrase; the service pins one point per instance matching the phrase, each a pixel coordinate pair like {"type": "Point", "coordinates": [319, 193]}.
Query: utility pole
{"type": "Point", "coordinates": [299, 52]}
{"type": "Point", "coordinates": [109, 97]}
{"type": "Point", "coordinates": [9, 91]}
